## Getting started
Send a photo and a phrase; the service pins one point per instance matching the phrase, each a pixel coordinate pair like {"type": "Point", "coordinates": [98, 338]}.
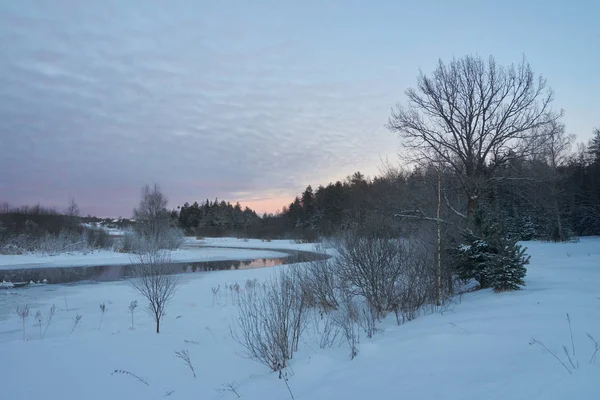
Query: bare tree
{"type": "Point", "coordinates": [553, 151]}
{"type": "Point", "coordinates": [473, 115]}
{"type": "Point", "coordinates": [152, 216]}
{"type": "Point", "coordinates": [154, 279]}
{"type": "Point", "coordinates": [73, 209]}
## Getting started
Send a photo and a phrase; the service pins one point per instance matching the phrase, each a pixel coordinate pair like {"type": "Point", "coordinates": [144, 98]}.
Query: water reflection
{"type": "Point", "coordinates": [105, 273]}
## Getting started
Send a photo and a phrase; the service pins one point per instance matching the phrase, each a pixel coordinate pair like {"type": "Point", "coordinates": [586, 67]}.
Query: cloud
{"type": "Point", "coordinates": [98, 100]}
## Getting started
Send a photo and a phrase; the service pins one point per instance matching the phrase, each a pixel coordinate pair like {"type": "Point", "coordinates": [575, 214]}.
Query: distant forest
{"type": "Point", "coordinates": [537, 197]}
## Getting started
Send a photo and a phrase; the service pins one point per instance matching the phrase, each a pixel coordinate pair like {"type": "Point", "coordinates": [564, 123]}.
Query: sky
{"type": "Point", "coordinates": [246, 101]}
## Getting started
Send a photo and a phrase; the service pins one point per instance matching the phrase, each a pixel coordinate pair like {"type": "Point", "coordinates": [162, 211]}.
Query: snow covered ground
{"type": "Point", "coordinates": [478, 348]}
{"type": "Point", "coordinates": [191, 252]}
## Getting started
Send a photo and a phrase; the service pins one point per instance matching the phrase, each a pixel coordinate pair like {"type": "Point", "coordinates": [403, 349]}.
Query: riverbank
{"type": "Point", "coordinates": [193, 250]}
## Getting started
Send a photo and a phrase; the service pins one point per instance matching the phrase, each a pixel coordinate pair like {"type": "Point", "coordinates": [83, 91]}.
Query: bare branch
{"type": "Point", "coordinates": [473, 116]}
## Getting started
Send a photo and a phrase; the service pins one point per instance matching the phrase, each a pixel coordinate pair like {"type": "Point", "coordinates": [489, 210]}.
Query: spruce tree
{"type": "Point", "coordinates": [472, 259]}
{"type": "Point", "coordinates": [594, 147]}
{"type": "Point", "coordinates": [493, 259]}
{"type": "Point", "coordinates": [507, 265]}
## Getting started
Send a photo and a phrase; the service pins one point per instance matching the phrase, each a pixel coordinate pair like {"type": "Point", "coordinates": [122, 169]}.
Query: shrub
{"type": "Point", "coordinates": [138, 243]}
{"type": "Point", "coordinates": [97, 238]}
{"type": "Point", "coordinates": [320, 283]}
{"type": "Point", "coordinates": [372, 267]}
{"type": "Point", "coordinates": [130, 243]}
{"type": "Point", "coordinates": [171, 239]}
{"type": "Point", "coordinates": [414, 289]}
{"type": "Point", "coordinates": [325, 329]}
{"type": "Point", "coordinates": [65, 241]}
{"type": "Point", "coordinates": [346, 318]}
{"type": "Point", "coordinates": [374, 275]}
{"type": "Point", "coordinates": [270, 321]}
{"type": "Point", "coordinates": [494, 260]}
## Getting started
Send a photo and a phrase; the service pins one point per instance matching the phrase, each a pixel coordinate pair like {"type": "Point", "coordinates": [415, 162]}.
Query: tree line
{"type": "Point", "coordinates": [482, 145]}
{"type": "Point", "coordinates": [215, 218]}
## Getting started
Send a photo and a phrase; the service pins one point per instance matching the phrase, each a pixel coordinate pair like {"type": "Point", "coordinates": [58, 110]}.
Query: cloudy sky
{"type": "Point", "coordinates": [246, 100]}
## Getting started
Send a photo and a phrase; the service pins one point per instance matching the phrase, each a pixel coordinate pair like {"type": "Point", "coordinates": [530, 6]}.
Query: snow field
{"type": "Point", "coordinates": [477, 347]}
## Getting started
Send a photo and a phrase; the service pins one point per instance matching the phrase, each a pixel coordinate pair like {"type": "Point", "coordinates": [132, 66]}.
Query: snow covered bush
{"type": "Point", "coordinates": [130, 243]}
{"type": "Point", "coordinates": [139, 242]}
{"type": "Point", "coordinates": [494, 260]}
{"type": "Point", "coordinates": [64, 241]}
{"type": "Point", "coordinates": [373, 268]}
{"type": "Point", "coordinates": [51, 244]}
{"type": "Point", "coordinates": [44, 230]}
{"type": "Point", "coordinates": [270, 321]}
{"type": "Point", "coordinates": [320, 282]}
{"type": "Point", "coordinates": [171, 239]}
{"type": "Point", "coordinates": [372, 276]}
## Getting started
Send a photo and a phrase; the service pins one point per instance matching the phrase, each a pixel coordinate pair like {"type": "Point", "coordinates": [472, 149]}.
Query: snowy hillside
{"type": "Point", "coordinates": [480, 347]}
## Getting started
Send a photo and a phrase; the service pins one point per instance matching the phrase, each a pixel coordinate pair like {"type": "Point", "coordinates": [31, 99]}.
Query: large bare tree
{"type": "Point", "coordinates": [471, 116]}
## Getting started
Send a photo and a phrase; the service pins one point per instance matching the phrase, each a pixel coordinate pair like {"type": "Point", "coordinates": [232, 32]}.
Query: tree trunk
{"type": "Point", "coordinates": [471, 206]}
{"type": "Point", "coordinates": [438, 280]}
{"type": "Point", "coordinates": [157, 324]}
{"type": "Point", "coordinates": [559, 227]}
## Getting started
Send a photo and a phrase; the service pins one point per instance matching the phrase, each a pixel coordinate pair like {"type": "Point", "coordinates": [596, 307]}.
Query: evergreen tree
{"type": "Point", "coordinates": [493, 259]}
{"type": "Point", "coordinates": [594, 147]}
{"type": "Point", "coordinates": [507, 264]}
{"type": "Point", "coordinates": [471, 259]}
{"type": "Point", "coordinates": [308, 207]}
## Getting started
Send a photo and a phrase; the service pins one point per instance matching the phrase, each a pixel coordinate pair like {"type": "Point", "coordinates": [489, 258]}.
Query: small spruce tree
{"type": "Point", "coordinates": [507, 264]}
{"type": "Point", "coordinates": [493, 259]}
{"type": "Point", "coordinates": [471, 259]}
